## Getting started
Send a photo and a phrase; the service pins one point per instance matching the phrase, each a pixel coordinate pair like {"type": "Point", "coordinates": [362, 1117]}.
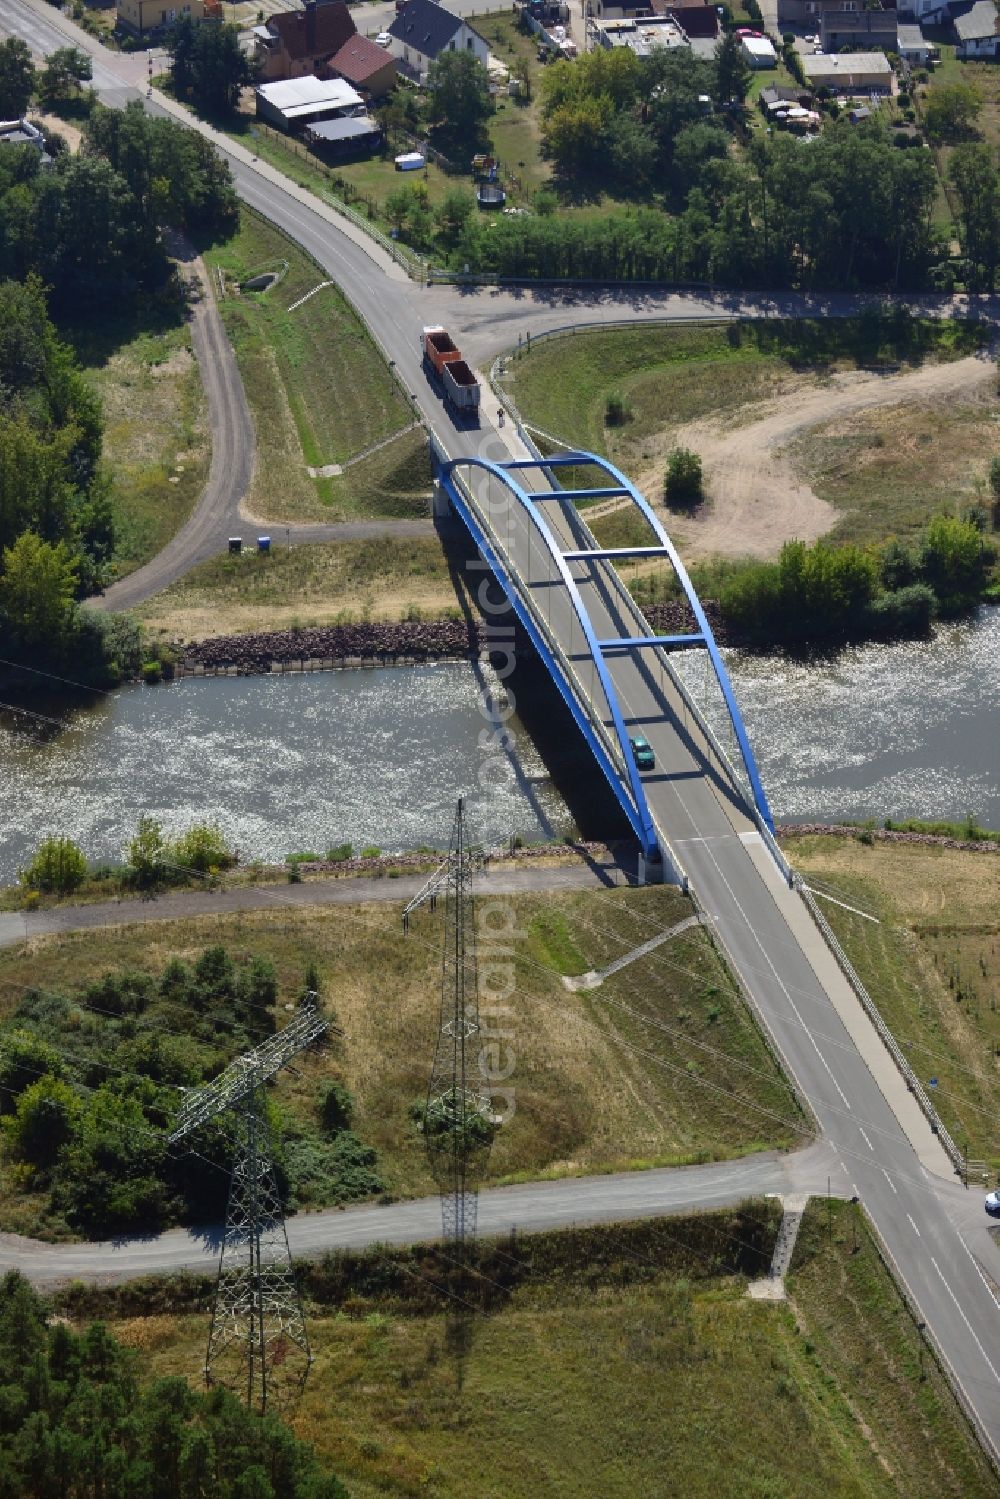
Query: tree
{"type": "Point", "coordinates": [733, 72]}
{"type": "Point", "coordinates": [951, 110]}
{"type": "Point", "coordinates": [17, 78]}
{"type": "Point", "coordinates": [573, 135]}
{"type": "Point", "coordinates": [209, 62]}
{"type": "Point", "coordinates": [453, 214]}
{"type": "Point", "coordinates": [954, 558]}
{"type": "Point", "coordinates": [58, 867]}
{"type": "Point", "coordinates": [65, 71]}
{"type": "Point", "coordinates": [682, 484]}
{"type": "Point", "coordinates": [202, 849]}
{"type": "Point", "coordinates": [36, 593]}
{"type": "Point", "coordinates": [974, 173]}
{"type": "Point", "coordinates": [459, 104]}
{"type": "Point", "coordinates": [43, 1122]}
{"type": "Point", "coordinates": [146, 853]}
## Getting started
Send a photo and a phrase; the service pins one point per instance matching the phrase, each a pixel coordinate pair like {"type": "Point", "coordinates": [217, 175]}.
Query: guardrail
{"type": "Point", "coordinates": [913, 1083]}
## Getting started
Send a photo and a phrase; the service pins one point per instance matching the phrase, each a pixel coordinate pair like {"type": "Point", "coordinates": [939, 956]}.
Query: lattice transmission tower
{"type": "Point", "coordinates": [458, 1129]}
{"type": "Point", "coordinates": [257, 1345]}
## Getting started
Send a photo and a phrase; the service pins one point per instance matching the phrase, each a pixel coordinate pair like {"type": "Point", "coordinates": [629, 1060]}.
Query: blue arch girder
{"type": "Point", "coordinates": [633, 800]}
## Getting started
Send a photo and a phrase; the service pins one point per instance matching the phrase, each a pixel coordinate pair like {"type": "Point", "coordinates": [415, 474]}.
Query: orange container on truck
{"type": "Point", "coordinates": [461, 388]}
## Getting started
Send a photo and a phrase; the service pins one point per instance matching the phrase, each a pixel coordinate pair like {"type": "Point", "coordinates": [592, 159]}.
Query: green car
{"type": "Point", "coordinates": [642, 751]}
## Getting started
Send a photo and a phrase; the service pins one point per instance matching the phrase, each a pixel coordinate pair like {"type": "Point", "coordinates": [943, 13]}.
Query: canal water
{"type": "Point", "coordinates": [303, 762]}
{"type": "Point", "coordinates": [281, 764]}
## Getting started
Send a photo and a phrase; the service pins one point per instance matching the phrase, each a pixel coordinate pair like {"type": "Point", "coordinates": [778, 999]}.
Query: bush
{"type": "Point", "coordinates": [336, 1108]}
{"type": "Point", "coordinates": [202, 848]}
{"type": "Point", "coordinates": [907, 611]}
{"type": "Point", "coordinates": [58, 868]}
{"type": "Point", "coordinates": [152, 673]}
{"type": "Point", "coordinates": [682, 483]}
{"type": "Point", "coordinates": [617, 410]}
{"type": "Point", "coordinates": [339, 853]}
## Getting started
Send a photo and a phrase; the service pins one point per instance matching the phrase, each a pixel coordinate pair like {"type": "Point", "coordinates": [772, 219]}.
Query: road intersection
{"type": "Point", "coordinates": [878, 1148]}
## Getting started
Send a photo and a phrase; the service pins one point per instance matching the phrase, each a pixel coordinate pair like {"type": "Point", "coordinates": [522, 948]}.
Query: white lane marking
{"type": "Point", "coordinates": [965, 1319]}
{"type": "Point", "coordinates": [866, 1140]}
{"type": "Point", "coordinates": [889, 1180]}
{"type": "Point", "coordinates": [914, 1226]}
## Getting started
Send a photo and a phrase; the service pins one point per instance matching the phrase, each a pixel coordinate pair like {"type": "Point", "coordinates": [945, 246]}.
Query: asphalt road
{"type": "Point", "coordinates": [934, 1233]}
{"type": "Point", "coordinates": [529, 1208]}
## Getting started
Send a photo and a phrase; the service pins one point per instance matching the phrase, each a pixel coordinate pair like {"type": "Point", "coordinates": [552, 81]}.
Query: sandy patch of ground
{"type": "Point", "coordinates": [70, 133]}
{"type": "Point", "coordinates": [756, 500]}
{"type": "Point", "coordinates": [205, 620]}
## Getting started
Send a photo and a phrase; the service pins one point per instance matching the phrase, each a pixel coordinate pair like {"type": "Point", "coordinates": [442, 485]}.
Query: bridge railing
{"type": "Point", "coordinates": [566, 664]}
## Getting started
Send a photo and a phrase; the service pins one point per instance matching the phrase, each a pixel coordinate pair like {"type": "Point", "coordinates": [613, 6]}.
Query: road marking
{"type": "Point", "coordinates": [913, 1226]}
{"type": "Point", "coordinates": [965, 1319]}
{"type": "Point", "coordinates": [866, 1140]}
{"type": "Point", "coordinates": [889, 1180]}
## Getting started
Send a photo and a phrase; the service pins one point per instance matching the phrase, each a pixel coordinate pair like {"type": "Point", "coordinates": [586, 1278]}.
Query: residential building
{"type": "Point", "coordinates": [861, 30]}
{"type": "Point", "coordinates": [912, 46]}
{"type": "Point", "coordinates": [806, 15]}
{"type": "Point", "coordinates": [293, 103]}
{"type": "Point", "coordinates": [23, 133]}
{"type": "Point", "coordinates": [300, 43]}
{"type": "Point", "coordinates": [369, 68]}
{"type": "Point", "coordinates": [141, 17]}
{"type": "Point", "coordinates": [423, 31]}
{"type": "Point", "coordinates": [651, 34]}
{"type": "Point", "coordinates": [849, 72]}
{"type": "Point", "coordinates": [977, 33]}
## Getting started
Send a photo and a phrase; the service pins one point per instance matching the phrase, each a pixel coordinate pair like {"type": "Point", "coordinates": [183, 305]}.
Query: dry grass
{"type": "Point", "coordinates": [594, 1385]}
{"type": "Point", "coordinates": [325, 583]}
{"type": "Point", "coordinates": [587, 1097]}
{"type": "Point", "coordinates": [918, 459]}
{"type": "Point", "coordinates": [156, 440]}
{"type": "Point", "coordinates": [932, 966]}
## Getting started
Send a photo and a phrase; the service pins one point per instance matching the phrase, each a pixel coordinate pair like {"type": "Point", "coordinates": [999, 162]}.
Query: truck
{"type": "Point", "coordinates": [443, 356]}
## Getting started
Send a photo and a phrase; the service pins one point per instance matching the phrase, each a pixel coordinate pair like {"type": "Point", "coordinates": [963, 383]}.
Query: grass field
{"type": "Point", "coordinates": [158, 463]}
{"type": "Point", "coordinates": [319, 390]}
{"type": "Point", "coordinates": [682, 1074]}
{"type": "Point", "coordinates": [932, 965]}
{"type": "Point", "coordinates": [646, 1371]}
{"type": "Point", "coordinates": [890, 469]}
{"type": "Point", "coordinates": [886, 470]}
{"type": "Point", "coordinates": [325, 583]}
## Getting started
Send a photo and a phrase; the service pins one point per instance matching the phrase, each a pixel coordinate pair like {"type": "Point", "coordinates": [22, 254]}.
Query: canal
{"type": "Point", "coordinates": [377, 757]}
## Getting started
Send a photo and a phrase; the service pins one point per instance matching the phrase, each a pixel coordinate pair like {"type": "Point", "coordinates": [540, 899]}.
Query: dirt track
{"type": "Point", "coordinates": [756, 499]}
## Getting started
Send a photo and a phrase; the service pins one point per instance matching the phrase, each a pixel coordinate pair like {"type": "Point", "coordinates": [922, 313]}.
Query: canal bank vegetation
{"type": "Point", "coordinates": [324, 583]}
{"type": "Point", "coordinates": [930, 960]}
{"type": "Point", "coordinates": [320, 392]}
{"type": "Point", "coordinates": [817, 1399]}
{"type": "Point", "coordinates": [701, 1083]}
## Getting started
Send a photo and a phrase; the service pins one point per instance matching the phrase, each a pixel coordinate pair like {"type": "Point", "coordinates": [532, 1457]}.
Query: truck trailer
{"type": "Point", "coordinates": [443, 356]}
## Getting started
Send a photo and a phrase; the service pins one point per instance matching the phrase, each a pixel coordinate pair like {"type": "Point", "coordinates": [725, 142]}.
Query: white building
{"type": "Point", "coordinates": [295, 102]}
{"type": "Point", "coordinates": [976, 31]}
{"type": "Point", "coordinates": [759, 52]}
{"type": "Point", "coordinates": [423, 31]}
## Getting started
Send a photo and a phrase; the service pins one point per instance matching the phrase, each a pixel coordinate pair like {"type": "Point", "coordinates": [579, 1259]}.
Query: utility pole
{"type": "Point", "coordinates": [257, 1345]}
{"type": "Point", "coordinates": [458, 1129]}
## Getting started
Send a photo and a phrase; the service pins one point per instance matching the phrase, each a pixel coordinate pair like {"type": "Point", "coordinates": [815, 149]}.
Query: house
{"type": "Point", "coordinates": [976, 30]}
{"type": "Point", "coordinates": [294, 103]}
{"type": "Point", "coordinates": [141, 17]}
{"type": "Point", "coordinates": [806, 15]}
{"type": "Point", "coordinates": [641, 37]}
{"type": "Point", "coordinates": [759, 52]}
{"type": "Point", "coordinates": [696, 18]}
{"type": "Point", "coordinates": [860, 30]}
{"type": "Point", "coordinates": [353, 135]}
{"type": "Point", "coordinates": [619, 10]}
{"type": "Point", "coordinates": [300, 43]}
{"type": "Point", "coordinates": [911, 45]}
{"type": "Point", "coordinates": [850, 72]}
{"type": "Point", "coordinates": [367, 67]}
{"type": "Point", "coordinates": [423, 31]}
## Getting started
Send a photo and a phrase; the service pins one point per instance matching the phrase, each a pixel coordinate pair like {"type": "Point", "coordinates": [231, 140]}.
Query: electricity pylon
{"type": "Point", "coordinates": [458, 1130]}
{"type": "Point", "coordinates": [257, 1345]}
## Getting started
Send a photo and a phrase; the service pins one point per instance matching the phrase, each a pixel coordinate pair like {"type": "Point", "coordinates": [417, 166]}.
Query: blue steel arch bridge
{"type": "Point", "coordinates": [618, 677]}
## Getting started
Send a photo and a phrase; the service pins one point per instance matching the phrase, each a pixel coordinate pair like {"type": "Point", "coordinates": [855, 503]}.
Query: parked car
{"type": "Point", "coordinates": [642, 750]}
{"type": "Point", "coordinates": [992, 1204]}
{"type": "Point", "coordinates": [383, 39]}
